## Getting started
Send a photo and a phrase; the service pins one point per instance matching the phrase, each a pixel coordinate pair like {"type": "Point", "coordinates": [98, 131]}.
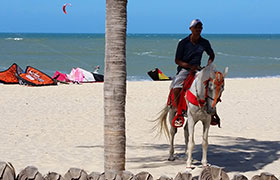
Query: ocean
{"type": "Point", "coordinates": [247, 56]}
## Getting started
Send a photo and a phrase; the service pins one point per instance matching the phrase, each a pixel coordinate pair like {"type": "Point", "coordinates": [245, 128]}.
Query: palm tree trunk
{"type": "Point", "coordinates": [115, 87]}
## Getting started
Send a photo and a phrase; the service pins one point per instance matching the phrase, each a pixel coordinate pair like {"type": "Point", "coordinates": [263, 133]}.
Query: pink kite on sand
{"type": "Point", "coordinates": [60, 77]}
{"type": "Point", "coordinates": [79, 75]}
{"type": "Point", "coordinates": [76, 75]}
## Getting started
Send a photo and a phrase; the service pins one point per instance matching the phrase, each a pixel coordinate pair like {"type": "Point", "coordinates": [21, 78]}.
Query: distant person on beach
{"type": "Point", "coordinates": [96, 69]}
{"type": "Point", "coordinates": [188, 56]}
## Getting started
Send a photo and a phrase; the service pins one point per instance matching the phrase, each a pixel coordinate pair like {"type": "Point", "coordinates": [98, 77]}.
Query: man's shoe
{"type": "Point", "coordinates": [215, 120]}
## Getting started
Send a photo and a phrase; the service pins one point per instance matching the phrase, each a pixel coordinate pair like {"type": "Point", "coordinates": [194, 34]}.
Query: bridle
{"type": "Point", "coordinates": [218, 82]}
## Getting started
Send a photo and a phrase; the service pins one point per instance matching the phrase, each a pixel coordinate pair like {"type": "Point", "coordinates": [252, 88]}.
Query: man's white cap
{"type": "Point", "coordinates": [195, 22]}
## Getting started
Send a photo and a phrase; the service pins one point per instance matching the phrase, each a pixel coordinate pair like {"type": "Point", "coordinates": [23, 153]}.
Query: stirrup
{"type": "Point", "coordinates": [178, 121]}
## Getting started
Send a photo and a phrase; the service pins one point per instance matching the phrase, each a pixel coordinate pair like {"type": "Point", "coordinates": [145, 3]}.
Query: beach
{"type": "Point", "coordinates": [58, 127]}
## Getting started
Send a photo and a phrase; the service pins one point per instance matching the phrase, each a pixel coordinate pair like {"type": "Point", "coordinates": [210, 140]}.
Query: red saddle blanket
{"type": "Point", "coordinates": [178, 120]}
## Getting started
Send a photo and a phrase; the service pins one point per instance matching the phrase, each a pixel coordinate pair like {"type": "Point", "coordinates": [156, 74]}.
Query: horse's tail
{"type": "Point", "coordinates": [161, 124]}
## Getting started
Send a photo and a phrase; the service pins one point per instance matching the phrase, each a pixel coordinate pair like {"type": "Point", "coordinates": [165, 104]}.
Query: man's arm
{"type": "Point", "coordinates": [211, 58]}
{"type": "Point", "coordinates": [210, 52]}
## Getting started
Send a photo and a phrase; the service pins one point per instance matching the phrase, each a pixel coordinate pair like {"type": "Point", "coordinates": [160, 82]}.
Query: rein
{"type": "Point", "coordinates": [219, 81]}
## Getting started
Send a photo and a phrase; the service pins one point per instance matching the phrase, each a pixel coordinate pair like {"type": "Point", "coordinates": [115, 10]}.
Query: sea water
{"type": "Point", "coordinates": [247, 56]}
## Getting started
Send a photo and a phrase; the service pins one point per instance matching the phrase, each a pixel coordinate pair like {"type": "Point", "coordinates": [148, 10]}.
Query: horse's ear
{"type": "Point", "coordinates": [225, 72]}
{"type": "Point", "coordinates": [210, 67]}
{"type": "Point", "coordinates": [213, 67]}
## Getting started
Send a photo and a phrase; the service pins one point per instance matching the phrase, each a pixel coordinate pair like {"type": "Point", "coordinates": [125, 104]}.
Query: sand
{"type": "Point", "coordinates": [55, 128]}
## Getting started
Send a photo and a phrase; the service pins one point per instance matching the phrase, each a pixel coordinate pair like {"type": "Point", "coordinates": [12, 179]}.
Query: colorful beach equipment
{"type": "Point", "coordinates": [31, 76]}
{"type": "Point", "coordinates": [157, 75]}
{"type": "Point", "coordinates": [9, 76]}
{"type": "Point", "coordinates": [35, 77]}
{"type": "Point", "coordinates": [79, 75]}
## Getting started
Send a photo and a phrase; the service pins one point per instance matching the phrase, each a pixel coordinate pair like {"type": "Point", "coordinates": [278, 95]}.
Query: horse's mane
{"type": "Point", "coordinates": [206, 72]}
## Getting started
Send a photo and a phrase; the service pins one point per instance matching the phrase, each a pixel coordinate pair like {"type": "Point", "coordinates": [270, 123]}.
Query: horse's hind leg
{"type": "Point", "coordinates": [206, 126]}
{"type": "Point", "coordinates": [173, 131]}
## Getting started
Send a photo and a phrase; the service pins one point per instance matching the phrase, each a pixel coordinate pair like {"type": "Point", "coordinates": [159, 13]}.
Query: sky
{"type": "Point", "coordinates": [144, 16]}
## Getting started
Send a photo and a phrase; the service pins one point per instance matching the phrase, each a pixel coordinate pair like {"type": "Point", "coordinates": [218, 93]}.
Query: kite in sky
{"type": "Point", "coordinates": [64, 7]}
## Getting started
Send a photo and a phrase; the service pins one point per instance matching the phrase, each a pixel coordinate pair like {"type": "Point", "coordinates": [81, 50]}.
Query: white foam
{"type": "Point", "coordinates": [15, 39]}
{"type": "Point", "coordinates": [143, 53]}
{"type": "Point", "coordinates": [251, 57]}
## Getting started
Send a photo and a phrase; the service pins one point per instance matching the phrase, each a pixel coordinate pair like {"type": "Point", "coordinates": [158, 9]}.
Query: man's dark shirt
{"type": "Point", "coordinates": [190, 53]}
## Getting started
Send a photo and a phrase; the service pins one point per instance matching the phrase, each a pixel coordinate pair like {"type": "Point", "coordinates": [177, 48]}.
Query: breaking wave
{"type": "Point", "coordinates": [251, 57]}
{"type": "Point", "coordinates": [15, 39]}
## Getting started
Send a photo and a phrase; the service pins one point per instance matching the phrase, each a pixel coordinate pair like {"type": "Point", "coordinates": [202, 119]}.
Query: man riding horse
{"type": "Point", "coordinates": [188, 58]}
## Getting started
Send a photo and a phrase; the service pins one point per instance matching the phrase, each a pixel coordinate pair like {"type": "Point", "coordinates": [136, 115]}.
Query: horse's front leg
{"type": "Point", "coordinates": [173, 131]}
{"type": "Point", "coordinates": [190, 126]}
{"type": "Point", "coordinates": [206, 125]}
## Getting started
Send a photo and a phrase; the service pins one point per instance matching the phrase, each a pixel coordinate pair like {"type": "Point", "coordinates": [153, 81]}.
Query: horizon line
{"type": "Point", "coordinates": [139, 33]}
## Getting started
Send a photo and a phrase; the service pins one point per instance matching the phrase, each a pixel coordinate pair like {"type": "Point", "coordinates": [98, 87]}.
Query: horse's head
{"type": "Point", "coordinates": [214, 88]}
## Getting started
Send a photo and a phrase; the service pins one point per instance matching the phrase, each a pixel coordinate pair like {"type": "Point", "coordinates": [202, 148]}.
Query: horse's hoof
{"type": "Point", "coordinates": [171, 159]}
{"type": "Point", "coordinates": [206, 165]}
{"type": "Point", "coordinates": [189, 169]}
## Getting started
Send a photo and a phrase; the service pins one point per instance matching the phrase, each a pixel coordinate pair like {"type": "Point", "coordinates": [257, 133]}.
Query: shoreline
{"type": "Point", "coordinates": [229, 78]}
{"type": "Point", "coordinates": [58, 127]}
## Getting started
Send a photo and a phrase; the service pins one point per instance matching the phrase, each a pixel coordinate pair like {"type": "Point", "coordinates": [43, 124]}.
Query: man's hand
{"type": "Point", "coordinates": [195, 67]}
{"type": "Point", "coordinates": [210, 61]}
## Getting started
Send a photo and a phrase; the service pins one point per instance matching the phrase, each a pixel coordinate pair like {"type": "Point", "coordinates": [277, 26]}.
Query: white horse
{"type": "Point", "coordinates": [207, 87]}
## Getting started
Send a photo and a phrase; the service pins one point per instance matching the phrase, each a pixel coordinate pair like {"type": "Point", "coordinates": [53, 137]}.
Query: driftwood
{"type": "Point", "coordinates": [127, 175]}
{"type": "Point", "coordinates": [102, 176]}
{"type": "Point", "coordinates": [53, 176]}
{"type": "Point", "coordinates": [183, 176]}
{"type": "Point", "coordinates": [213, 173]}
{"type": "Point", "coordinates": [94, 176]}
{"type": "Point", "coordinates": [144, 176]}
{"type": "Point", "coordinates": [75, 173]}
{"type": "Point", "coordinates": [7, 172]}
{"type": "Point", "coordinates": [30, 173]}
{"type": "Point", "coordinates": [164, 178]}
{"type": "Point", "coordinates": [239, 177]}
{"type": "Point", "coordinates": [264, 176]}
